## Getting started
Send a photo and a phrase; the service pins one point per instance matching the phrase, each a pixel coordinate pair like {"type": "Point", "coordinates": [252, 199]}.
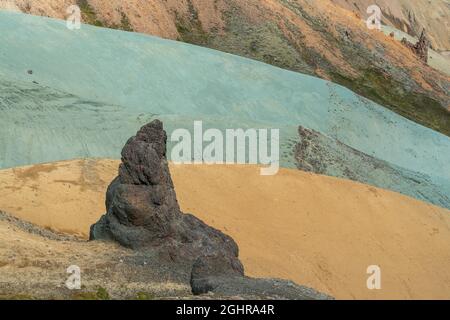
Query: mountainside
{"type": "Point", "coordinates": [317, 231]}
{"type": "Point", "coordinates": [80, 105]}
{"type": "Point", "coordinates": [361, 179]}
{"type": "Point", "coordinates": [411, 16]}
{"type": "Point", "coordinates": [313, 37]}
{"type": "Point", "coordinates": [324, 155]}
{"type": "Point", "coordinates": [439, 61]}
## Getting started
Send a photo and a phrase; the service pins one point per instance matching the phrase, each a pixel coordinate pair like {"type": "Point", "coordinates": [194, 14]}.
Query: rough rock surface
{"type": "Point", "coordinates": [206, 278]}
{"type": "Point", "coordinates": [143, 212]}
{"type": "Point", "coordinates": [144, 215]}
{"type": "Point", "coordinates": [420, 49]}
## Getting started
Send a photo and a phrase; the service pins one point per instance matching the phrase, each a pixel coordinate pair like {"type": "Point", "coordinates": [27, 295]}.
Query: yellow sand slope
{"type": "Point", "coordinates": [318, 231]}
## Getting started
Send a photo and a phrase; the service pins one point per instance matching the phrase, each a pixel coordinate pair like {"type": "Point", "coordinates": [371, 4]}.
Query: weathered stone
{"type": "Point", "coordinates": [217, 274]}
{"type": "Point", "coordinates": [143, 214]}
{"type": "Point", "coordinates": [420, 49]}
{"type": "Point", "coordinates": [142, 208]}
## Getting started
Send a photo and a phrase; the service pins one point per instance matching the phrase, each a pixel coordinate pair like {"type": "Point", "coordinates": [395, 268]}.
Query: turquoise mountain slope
{"type": "Point", "coordinates": [90, 89]}
{"type": "Point", "coordinates": [324, 155]}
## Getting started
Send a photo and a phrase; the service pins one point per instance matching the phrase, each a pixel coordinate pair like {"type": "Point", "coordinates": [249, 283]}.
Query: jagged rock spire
{"type": "Point", "coordinates": [143, 214]}
{"type": "Point", "coordinates": [420, 49]}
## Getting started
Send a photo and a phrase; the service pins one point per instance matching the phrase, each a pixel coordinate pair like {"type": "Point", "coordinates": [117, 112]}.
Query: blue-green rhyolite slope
{"type": "Point", "coordinates": [40, 124]}
{"type": "Point", "coordinates": [94, 87]}
{"type": "Point", "coordinates": [323, 155]}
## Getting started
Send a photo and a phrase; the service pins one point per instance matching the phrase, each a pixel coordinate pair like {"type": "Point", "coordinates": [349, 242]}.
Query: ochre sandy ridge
{"type": "Point", "coordinates": [318, 231]}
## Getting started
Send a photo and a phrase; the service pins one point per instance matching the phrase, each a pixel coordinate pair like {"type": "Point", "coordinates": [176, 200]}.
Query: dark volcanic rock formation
{"type": "Point", "coordinates": [143, 212]}
{"type": "Point", "coordinates": [213, 274]}
{"type": "Point", "coordinates": [420, 49]}
{"type": "Point", "coordinates": [144, 215]}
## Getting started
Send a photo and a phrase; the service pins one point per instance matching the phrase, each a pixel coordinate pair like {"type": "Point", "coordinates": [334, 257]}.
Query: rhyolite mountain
{"type": "Point", "coordinates": [79, 94]}
{"type": "Point", "coordinates": [411, 16]}
{"type": "Point", "coordinates": [317, 37]}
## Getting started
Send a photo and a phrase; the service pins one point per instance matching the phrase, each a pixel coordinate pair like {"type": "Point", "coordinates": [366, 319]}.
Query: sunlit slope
{"type": "Point", "coordinates": [94, 87]}
{"type": "Point", "coordinates": [410, 15]}
{"type": "Point", "coordinates": [435, 59]}
{"type": "Point", "coordinates": [319, 231]}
